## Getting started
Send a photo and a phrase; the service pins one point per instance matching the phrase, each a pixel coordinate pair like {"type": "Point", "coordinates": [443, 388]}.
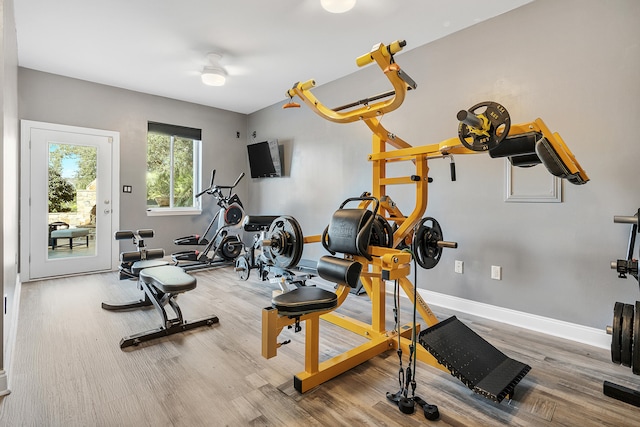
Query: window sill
{"type": "Point", "coordinates": [173, 211]}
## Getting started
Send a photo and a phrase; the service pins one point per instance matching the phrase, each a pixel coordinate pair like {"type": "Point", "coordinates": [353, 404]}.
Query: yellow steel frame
{"type": "Point", "coordinates": [386, 263]}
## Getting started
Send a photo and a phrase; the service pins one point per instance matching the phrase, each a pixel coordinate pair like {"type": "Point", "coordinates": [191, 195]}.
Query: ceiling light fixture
{"type": "Point", "coordinates": [214, 74]}
{"type": "Point", "coordinates": [337, 6]}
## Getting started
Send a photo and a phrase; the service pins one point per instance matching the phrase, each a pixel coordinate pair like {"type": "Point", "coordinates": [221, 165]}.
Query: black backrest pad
{"type": "Point", "coordinates": [518, 145]}
{"type": "Point", "coordinates": [551, 160]}
{"type": "Point", "coordinates": [520, 149]}
{"type": "Point", "coordinates": [349, 231]}
{"type": "Point", "coordinates": [338, 270]}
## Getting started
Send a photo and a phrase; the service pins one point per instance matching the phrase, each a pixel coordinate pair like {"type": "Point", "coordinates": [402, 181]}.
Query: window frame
{"type": "Point", "coordinates": [185, 133]}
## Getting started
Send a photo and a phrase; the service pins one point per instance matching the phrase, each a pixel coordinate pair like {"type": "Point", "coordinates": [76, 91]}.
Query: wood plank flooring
{"type": "Point", "coordinates": [69, 370]}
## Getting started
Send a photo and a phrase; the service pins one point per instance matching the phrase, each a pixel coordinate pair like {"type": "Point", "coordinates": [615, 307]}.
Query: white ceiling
{"type": "Point", "coordinates": [159, 47]}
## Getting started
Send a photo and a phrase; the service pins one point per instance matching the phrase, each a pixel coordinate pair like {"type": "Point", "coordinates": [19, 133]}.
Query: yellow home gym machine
{"type": "Point", "coordinates": [448, 345]}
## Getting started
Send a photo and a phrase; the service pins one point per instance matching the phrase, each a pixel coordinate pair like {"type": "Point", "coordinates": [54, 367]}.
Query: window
{"type": "Point", "coordinates": [173, 169]}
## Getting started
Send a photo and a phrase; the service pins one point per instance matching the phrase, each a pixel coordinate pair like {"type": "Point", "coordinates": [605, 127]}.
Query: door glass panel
{"type": "Point", "coordinates": [72, 200]}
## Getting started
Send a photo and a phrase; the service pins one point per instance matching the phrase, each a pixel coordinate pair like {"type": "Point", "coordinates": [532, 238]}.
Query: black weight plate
{"type": "Point", "coordinates": [627, 334]}
{"type": "Point", "coordinates": [242, 268]}
{"type": "Point", "coordinates": [635, 353]}
{"type": "Point", "coordinates": [381, 233]}
{"type": "Point", "coordinates": [616, 337]}
{"type": "Point", "coordinates": [230, 248]}
{"type": "Point", "coordinates": [425, 243]}
{"type": "Point", "coordinates": [499, 120]}
{"type": "Point", "coordinates": [287, 242]}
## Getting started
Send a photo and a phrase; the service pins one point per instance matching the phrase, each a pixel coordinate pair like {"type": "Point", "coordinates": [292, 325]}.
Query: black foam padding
{"type": "Point", "coordinates": [479, 365]}
{"type": "Point", "coordinates": [122, 235]}
{"type": "Point", "coordinates": [130, 256]}
{"type": "Point", "coordinates": [525, 161]}
{"type": "Point", "coordinates": [518, 145]}
{"type": "Point", "coordinates": [303, 300]}
{"type": "Point", "coordinates": [554, 164]}
{"type": "Point", "coordinates": [551, 160]}
{"type": "Point", "coordinates": [339, 270]}
{"type": "Point", "coordinates": [146, 233]}
{"type": "Point", "coordinates": [349, 231]}
{"type": "Point", "coordinates": [154, 253]}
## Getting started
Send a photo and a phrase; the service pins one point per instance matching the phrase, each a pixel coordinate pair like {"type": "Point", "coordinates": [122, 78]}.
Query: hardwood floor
{"type": "Point", "coordinates": [68, 369]}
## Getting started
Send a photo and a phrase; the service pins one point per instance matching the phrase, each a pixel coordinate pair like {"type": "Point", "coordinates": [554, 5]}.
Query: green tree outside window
{"type": "Point", "coordinates": [172, 169]}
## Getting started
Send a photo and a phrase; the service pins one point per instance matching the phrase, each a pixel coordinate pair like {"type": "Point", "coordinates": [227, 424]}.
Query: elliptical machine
{"type": "Point", "coordinates": [226, 243]}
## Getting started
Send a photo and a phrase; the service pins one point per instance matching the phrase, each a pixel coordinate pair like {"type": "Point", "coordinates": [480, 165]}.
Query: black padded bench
{"type": "Point", "coordinates": [161, 284]}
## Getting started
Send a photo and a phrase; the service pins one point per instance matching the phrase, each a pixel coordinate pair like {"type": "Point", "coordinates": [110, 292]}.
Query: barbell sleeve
{"type": "Point", "coordinates": [445, 244]}
{"type": "Point", "coordinates": [625, 219]}
{"type": "Point", "coordinates": [469, 119]}
{"type": "Point", "coordinates": [392, 48]}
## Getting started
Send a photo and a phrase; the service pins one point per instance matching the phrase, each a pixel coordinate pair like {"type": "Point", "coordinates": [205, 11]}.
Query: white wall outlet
{"type": "Point", "coordinates": [458, 267]}
{"type": "Point", "coordinates": [496, 272]}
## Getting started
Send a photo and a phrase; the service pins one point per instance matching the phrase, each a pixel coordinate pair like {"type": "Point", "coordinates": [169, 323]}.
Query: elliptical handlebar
{"type": "Point", "coordinates": [215, 190]}
{"type": "Point", "coordinates": [206, 190]}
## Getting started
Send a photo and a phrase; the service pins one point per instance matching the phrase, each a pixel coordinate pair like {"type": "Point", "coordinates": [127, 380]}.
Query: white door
{"type": "Point", "coordinates": [70, 200]}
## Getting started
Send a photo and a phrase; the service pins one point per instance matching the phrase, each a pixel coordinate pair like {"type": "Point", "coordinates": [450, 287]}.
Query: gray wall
{"type": "Point", "coordinates": [8, 177]}
{"type": "Point", "coordinates": [575, 64]}
{"type": "Point", "coordinates": [55, 99]}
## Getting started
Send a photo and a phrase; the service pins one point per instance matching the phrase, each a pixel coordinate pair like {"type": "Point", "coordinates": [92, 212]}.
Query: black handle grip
{"type": "Point", "coordinates": [452, 166]}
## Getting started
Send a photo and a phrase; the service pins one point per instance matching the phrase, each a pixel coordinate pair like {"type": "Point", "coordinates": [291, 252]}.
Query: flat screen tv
{"type": "Point", "coordinates": [264, 159]}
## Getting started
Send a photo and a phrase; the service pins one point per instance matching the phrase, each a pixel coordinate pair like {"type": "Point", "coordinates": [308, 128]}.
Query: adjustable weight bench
{"type": "Point", "coordinates": [161, 284]}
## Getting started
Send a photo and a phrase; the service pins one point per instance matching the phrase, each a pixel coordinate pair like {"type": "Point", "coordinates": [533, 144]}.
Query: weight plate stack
{"type": "Point", "coordinates": [287, 240]}
{"type": "Point", "coordinates": [627, 334]}
{"type": "Point", "coordinates": [635, 353]}
{"type": "Point", "coordinates": [616, 337]}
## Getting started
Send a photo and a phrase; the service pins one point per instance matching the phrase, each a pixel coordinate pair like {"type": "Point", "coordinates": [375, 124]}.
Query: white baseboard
{"type": "Point", "coordinates": [557, 328]}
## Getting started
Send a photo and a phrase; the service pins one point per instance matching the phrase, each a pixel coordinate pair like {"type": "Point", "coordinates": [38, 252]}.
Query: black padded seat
{"type": "Point", "coordinates": [304, 300]}
{"type": "Point", "coordinates": [168, 279]}
{"type": "Point", "coordinates": [138, 266]}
